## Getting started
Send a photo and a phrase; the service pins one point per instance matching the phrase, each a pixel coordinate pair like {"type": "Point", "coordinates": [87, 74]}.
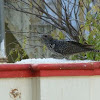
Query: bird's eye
{"type": "Point", "coordinates": [45, 35]}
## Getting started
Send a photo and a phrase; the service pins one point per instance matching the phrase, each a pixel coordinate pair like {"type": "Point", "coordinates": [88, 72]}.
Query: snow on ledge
{"type": "Point", "coordinates": [50, 60]}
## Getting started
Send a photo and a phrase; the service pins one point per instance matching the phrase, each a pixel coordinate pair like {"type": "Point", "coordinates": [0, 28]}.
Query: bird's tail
{"type": "Point", "coordinates": [93, 50]}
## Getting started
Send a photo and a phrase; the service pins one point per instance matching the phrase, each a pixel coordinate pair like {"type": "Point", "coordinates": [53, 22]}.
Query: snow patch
{"type": "Point", "coordinates": [50, 60]}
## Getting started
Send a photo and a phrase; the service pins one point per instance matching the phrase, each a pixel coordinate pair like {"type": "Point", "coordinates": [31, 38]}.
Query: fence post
{"type": "Point", "coordinates": [2, 33]}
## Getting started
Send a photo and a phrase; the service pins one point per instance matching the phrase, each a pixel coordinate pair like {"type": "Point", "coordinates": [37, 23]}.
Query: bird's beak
{"type": "Point", "coordinates": [41, 35]}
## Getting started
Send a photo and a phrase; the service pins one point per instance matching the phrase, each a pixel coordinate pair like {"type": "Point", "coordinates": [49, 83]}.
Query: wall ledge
{"type": "Point", "coordinates": [49, 70]}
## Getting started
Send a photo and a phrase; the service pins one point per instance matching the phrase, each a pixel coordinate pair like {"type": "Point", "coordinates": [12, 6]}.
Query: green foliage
{"type": "Point", "coordinates": [44, 48]}
{"type": "Point", "coordinates": [19, 51]}
{"type": "Point", "coordinates": [93, 22]}
{"type": "Point", "coordinates": [92, 26]}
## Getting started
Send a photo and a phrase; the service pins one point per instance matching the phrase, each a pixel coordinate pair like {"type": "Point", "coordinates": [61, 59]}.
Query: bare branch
{"type": "Point", "coordinates": [65, 15]}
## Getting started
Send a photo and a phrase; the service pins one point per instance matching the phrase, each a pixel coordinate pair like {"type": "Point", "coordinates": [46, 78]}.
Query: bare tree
{"type": "Point", "coordinates": [60, 15]}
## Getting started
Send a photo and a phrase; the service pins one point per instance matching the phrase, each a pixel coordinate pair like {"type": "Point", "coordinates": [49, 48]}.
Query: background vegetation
{"type": "Point", "coordinates": [86, 17]}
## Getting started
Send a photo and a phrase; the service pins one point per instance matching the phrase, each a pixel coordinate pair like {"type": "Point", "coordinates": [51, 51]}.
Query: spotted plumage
{"type": "Point", "coordinates": [66, 47]}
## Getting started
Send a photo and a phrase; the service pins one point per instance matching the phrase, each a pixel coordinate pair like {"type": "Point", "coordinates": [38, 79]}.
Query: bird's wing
{"type": "Point", "coordinates": [81, 45]}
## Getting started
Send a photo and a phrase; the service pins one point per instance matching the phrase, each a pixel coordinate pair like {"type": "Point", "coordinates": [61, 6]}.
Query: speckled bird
{"type": "Point", "coordinates": [64, 47]}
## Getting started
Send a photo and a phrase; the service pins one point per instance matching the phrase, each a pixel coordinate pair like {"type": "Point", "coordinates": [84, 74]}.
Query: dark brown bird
{"type": "Point", "coordinates": [66, 47]}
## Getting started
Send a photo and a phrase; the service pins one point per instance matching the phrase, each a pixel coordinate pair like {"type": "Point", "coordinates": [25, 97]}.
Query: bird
{"type": "Point", "coordinates": [64, 47]}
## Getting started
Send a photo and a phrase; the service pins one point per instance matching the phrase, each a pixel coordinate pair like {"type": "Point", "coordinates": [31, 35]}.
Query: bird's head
{"type": "Point", "coordinates": [46, 38]}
